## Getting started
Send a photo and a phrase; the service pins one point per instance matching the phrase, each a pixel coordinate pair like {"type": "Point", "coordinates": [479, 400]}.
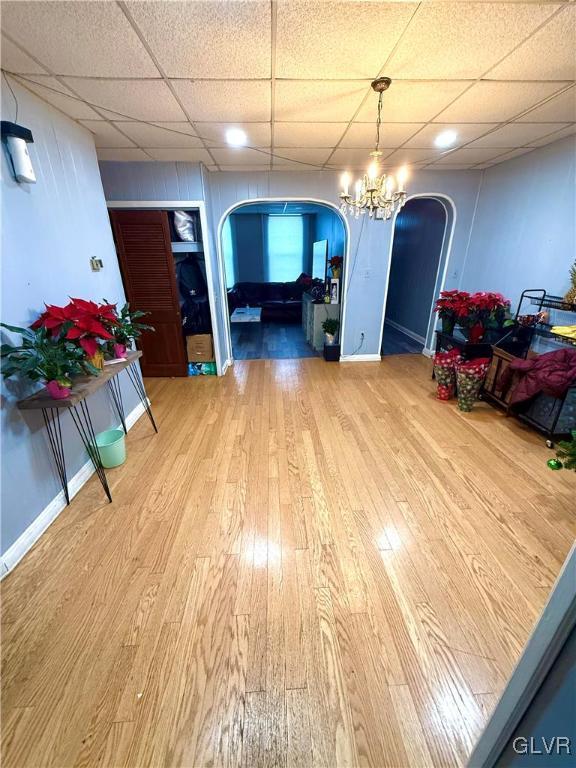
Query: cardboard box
{"type": "Point", "coordinates": [200, 348]}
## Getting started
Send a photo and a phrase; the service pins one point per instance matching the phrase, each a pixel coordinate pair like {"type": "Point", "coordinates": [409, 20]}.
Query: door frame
{"type": "Point", "coordinates": [176, 205]}
{"type": "Point", "coordinates": [445, 253]}
{"type": "Point", "coordinates": [222, 268]}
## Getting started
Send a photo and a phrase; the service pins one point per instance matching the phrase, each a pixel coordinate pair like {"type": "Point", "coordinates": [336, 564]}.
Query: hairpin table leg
{"type": "Point", "coordinates": [134, 375]}
{"type": "Point", "coordinates": [57, 446]}
{"type": "Point", "coordinates": [116, 392]}
{"type": "Point", "coordinates": [81, 418]}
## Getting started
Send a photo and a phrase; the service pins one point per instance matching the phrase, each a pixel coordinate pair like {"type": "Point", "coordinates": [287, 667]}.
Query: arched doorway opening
{"type": "Point", "coordinates": [419, 255]}
{"type": "Point", "coordinates": [272, 252]}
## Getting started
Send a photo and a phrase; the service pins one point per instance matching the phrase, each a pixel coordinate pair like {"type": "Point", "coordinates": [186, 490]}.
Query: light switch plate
{"type": "Point", "coordinates": [96, 264]}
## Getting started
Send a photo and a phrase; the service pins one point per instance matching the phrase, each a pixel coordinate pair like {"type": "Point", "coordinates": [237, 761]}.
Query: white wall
{"type": "Point", "coordinates": [523, 234]}
{"type": "Point", "coordinates": [49, 232]}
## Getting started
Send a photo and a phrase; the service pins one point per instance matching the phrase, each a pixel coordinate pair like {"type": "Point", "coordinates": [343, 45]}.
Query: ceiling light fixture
{"type": "Point", "coordinates": [378, 193]}
{"type": "Point", "coordinates": [236, 137]}
{"type": "Point", "coordinates": [446, 139]}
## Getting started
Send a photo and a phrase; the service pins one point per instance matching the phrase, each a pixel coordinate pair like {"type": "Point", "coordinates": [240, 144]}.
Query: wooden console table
{"type": "Point", "coordinates": [76, 404]}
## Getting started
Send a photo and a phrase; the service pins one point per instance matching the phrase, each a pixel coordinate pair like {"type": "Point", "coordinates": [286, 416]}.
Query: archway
{"type": "Point", "coordinates": [419, 253]}
{"type": "Point", "coordinates": [290, 206]}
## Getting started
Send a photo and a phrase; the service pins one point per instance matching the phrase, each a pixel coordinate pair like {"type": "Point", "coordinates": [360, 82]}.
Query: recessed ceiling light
{"type": "Point", "coordinates": [446, 139]}
{"type": "Point", "coordinates": [236, 137]}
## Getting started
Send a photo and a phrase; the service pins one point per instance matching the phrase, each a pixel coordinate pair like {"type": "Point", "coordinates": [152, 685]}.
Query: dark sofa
{"type": "Point", "coordinates": [280, 302]}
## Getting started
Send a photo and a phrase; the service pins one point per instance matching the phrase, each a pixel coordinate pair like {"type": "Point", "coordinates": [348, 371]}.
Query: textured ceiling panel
{"type": "Point", "coordinates": [123, 155]}
{"type": "Point", "coordinates": [224, 102]}
{"type": "Point", "coordinates": [182, 154]}
{"type": "Point", "coordinates": [391, 134]}
{"type": "Point", "coordinates": [162, 135]}
{"type": "Point", "coordinates": [548, 55]}
{"type": "Point", "coordinates": [468, 156]}
{"type": "Point", "coordinates": [284, 156]}
{"type": "Point", "coordinates": [337, 40]}
{"type": "Point", "coordinates": [408, 155]}
{"type": "Point", "coordinates": [52, 91]}
{"type": "Point", "coordinates": [257, 134]}
{"type": "Point", "coordinates": [506, 156]}
{"type": "Point", "coordinates": [465, 132]}
{"type": "Point", "coordinates": [559, 109]}
{"type": "Point", "coordinates": [15, 60]}
{"type": "Point", "coordinates": [570, 131]}
{"type": "Point", "coordinates": [106, 135]}
{"type": "Point", "coordinates": [307, 101]}
{"type": "Point", "coordinates": [207, 39]}
{"type": "Point", "coordinates": [353, 158]}
{"type": "Point", "coordinates": [230, 156]}
{"type": "Point", "coordinates": [308, 134]}
{"type": "Point", "coordinates": [411, 101]}
{"type": "Point", "coordinates": [493, 102]}
{"type": "Point", "coordinates": [92, 39]}
{"type": "Point", "coordinates": [452, 40]}
{"type": "Point", "coordinates": [138, 99]}
{"type": "Point", "coordinates": [517, 134]}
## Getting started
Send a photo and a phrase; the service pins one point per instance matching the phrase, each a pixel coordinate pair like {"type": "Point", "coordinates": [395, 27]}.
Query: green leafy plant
{"type": "Point", "coordinates": [566, 452]}
{"type": "Point", "coordinates": [127, 329]}
{"type": "Point", "coordinates": [42, 357]}
{"type": "Point", "coordinates": [330, 326]}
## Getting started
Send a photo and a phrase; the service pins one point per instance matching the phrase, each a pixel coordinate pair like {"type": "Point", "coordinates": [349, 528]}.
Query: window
{"type": "Point", "coordinates": [285, 248]}
{"type": "Point", "coordinates": [228, 252]}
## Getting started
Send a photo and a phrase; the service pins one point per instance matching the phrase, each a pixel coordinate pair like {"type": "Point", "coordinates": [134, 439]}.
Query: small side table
{"type": "Point", "coordinates": [469, 351]}
{"type": "Point", "coordinates": [77, 405]}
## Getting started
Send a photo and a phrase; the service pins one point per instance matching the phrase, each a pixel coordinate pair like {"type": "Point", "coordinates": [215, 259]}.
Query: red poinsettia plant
{"type": "Point", "coordinates": [335, 262]}
{"type": "Point", "coordinates": [83, 321]}
{"type": "Point", "coordinates": [452, 305]}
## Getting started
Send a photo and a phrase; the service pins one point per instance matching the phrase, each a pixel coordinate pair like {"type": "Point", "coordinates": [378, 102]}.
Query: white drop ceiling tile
{"type": "Point", "coordinates": [241, 157]}
{"type": "Point", "coordinates": [516, 134]}
{"type": "Point", "coordinates": [106, 135]}
{"type": "Point", "coordinates": [547, 55]}
{"type": "Point", "coordinates": [457, 40]}
{"type": "Point", "coordinates": [319, 39]}
{"type": "Point", "coordinates": [465, 132]}
{"type": "Point", "coordinates": [408, 101]}
{"type": "Point", "coordinates": [182, 154]}
{"type": "Point", "coordinates": [409, 156]}
{"type": "Point", "coordinates": [52, 91]}
{"type": "Point", "coordinates": [556, 136]}
{"type": "Point", "coordinates": [510, 155]}
{"type": "Point", "coordinates": [91, 39]}
{"type": "Point", "coordinates": [161, 135]}
{"type": "Point", "coordinates": [127, 154]}
{"type": "Point", "coordinates": [558, 109]}
{"type": "Point", "coordinates": [222, 101]}
{"type": "Point", "coordinates": [315, 100]}
{"type": "Point", "coordinates": [136, 99]}
{"type": "Point", "coordinates": [354, 158]}
{"type": "Point", "coordinates": [257, 134]}
{"type": "Point", "coordinates": [308, 134]}
{"type": "Point", "coordinates": [391, 134]}
{"type": "Point", "coordinates": [492, 101]}
{"type": "Point", "coordinates": [286, 155]}
{"type": "Point", "coordinates": [207, 39]}
{"type": "Point", "coordinates": [244, 168]}
{"type": "Point", "coordinates": [15, 60]}
{"type": "Point", "coordinates": [468, 156]}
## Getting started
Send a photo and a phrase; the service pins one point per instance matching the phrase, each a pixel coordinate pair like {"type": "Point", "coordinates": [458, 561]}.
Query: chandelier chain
{"type": "Point", "coordinates": [378, 121]}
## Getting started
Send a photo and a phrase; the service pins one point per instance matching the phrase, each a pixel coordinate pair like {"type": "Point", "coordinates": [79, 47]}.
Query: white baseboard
{"type": "Point", "coordinates": [360, 358]}
{"type": "Point", "coordinates": [406, 331]}
{"type": "Point", "coordinates": [26, 540]}
{"type": "Point", "coordinates": [428, 352]}
{"type": "Point", "coordinates": [226, 365]}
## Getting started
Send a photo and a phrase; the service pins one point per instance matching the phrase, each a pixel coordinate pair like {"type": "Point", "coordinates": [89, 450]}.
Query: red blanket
{"type": "Point", "coordinates": [551, 373]}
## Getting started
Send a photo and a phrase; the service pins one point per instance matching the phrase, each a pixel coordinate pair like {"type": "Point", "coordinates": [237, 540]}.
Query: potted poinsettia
{"type": "Point", "coordinates": [44, 357]}
{"type": "Point", "coordinates": [125, 330]}
{"type": "Point", "coordinates": [451, 307]}
{"type": "Point", "coordinates": [84, 322]}
{"type": "Point", "coordinates": [335, 264]}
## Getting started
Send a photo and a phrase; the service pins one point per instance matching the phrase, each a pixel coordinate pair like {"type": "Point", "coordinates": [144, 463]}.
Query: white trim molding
{"type": "Point", "coordinates": [372, 358]}
{"type": "Point", "coordinates": [406, 331]}
{"type": "Point", "coordinates": [26, 540]}
{"type": "Point", "coordinates": [177, 205]}
{"type": "Point", "coordinates": [283, 199]}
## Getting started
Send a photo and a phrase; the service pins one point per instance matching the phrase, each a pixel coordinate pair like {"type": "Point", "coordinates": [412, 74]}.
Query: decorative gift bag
{"type": "Point", "coordinates": [470, 376]}
{"type": "Point", "coordinates": [445, 373]}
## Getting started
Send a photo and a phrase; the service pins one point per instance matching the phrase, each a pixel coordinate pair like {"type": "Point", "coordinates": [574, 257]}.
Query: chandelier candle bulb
{"type": "Point", "coordinates": [345, 183]}
{"type": "Point", "coordinates": [402, 178]}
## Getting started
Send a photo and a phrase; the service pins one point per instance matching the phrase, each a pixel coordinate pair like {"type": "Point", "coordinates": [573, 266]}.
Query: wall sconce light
{"type": "Point", "coordinates": [16, 138]}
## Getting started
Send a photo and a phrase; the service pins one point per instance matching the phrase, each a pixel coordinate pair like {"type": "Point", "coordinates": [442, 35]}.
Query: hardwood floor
{"type": "Point", "coordinates": [269, 341]}
{"type": "Point", "coordinates": [311, 565]}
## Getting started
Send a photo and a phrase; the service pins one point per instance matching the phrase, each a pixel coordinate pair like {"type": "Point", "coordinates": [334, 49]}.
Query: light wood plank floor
{"type": "Point", "coordinates": [311, 565]}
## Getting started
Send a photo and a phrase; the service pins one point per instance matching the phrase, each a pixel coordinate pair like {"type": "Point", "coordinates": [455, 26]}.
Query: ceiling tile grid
{"type": "Point", "coordinates": [155, 80]}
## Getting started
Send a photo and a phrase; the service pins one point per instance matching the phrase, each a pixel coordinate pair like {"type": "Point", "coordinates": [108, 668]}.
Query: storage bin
{"type": "Point", "coordinates": [199, 348]}
{"type": "Point", "coordinates": [111, 445]}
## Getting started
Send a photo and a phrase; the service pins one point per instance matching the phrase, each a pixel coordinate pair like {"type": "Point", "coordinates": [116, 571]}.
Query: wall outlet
{"type": "Point", "coordinates": [96, 264]}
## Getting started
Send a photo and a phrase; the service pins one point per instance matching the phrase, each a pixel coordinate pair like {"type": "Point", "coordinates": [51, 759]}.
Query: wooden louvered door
{"type": "Point", "coordinates": [147, 264]}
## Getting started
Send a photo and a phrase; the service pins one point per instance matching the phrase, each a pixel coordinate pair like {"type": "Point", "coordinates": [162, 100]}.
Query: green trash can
{"type": "Point", "coordinates": [111, 446]}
